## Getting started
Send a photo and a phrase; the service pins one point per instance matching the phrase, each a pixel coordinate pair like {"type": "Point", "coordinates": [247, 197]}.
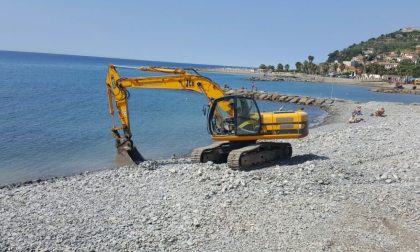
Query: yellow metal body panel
{"type": "Point", "coordinates": [276, 125]}
{"type": "Point", "coordinates": [257, 137]}
{"type": "Point", "coordinates": [274, 121]}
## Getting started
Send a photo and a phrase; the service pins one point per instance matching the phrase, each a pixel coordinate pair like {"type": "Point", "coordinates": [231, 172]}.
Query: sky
{"type": "Point", "coordinates": [231, 33]}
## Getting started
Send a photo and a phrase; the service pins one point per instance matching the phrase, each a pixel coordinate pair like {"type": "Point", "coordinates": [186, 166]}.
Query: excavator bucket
{"type": "Point", "coordinates": [127, 154]}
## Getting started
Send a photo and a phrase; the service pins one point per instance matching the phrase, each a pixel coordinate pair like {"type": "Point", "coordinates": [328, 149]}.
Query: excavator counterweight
{"type": "Point", "coordinates": [234, 122]}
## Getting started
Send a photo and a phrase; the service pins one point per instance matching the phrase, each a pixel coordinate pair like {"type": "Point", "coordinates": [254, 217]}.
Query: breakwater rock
{"type": "Point", "coordinates": [273, 96]}
{"type": "Point", "coordinates": [396, 90]}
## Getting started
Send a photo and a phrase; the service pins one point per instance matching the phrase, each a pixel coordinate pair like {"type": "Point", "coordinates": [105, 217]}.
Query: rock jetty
{"type": "Point", "coordinates": [396, 90]}
{"type": "Point", "coordinates": [277, 97]}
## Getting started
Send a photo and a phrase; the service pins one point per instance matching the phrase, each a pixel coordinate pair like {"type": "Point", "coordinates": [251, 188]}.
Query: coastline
{"type": "Point", "coordinates": [373, 85]}
{"type": "Point", "coordinates": [344, 181]}
{"type": "Point", "coordinates": [296, 77]}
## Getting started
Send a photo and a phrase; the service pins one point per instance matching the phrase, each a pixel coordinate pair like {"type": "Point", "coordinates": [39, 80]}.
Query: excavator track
{"type": "Point", "coordinates": [217, 152]}
{"type": "Point", "coordinates": [258, 154]}
{"type": "Point", "coordinates": [242, 155]}
{"type": "Point", "coordinates": [213, 152]}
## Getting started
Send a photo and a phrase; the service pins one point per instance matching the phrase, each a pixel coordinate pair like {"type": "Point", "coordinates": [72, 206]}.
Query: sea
{"type": "Point", "coordinates": [54, 118]}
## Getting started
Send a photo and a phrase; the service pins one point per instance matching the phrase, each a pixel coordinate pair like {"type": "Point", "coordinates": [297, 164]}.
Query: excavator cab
{"type": "Point", "coordinates": [234, 115]}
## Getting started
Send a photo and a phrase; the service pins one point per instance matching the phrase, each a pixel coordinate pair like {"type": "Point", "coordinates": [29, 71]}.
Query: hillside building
{"type": "Point", "coordinates": [368, 51]}
{"type": "Point", "coordinates": [387, 65]}
{"type": "Point", "coordinates": [347, 63]}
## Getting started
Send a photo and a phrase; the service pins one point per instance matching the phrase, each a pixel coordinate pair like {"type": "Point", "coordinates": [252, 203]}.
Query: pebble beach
{"type": "Point", "coordinates": [348, 187]}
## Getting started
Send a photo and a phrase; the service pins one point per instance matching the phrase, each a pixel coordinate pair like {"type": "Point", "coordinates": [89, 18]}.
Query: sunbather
{"type": "Point", "coordinates": [354, 119]}
{"type": "Point", "coordinates": [380, 112]}
{"type": "Point", "coordinates": [357, 111]}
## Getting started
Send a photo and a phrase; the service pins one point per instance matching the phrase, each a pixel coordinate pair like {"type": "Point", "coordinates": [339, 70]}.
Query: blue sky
{"type": "Point", "coordinates": [241, 33]}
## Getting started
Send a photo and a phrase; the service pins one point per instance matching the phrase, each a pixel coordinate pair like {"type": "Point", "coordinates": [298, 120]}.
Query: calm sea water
{"type": "Point", "coordinates": [54, 117]}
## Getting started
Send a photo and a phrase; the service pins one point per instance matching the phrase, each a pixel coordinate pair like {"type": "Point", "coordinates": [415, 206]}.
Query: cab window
{"type": "Point", "coordinates": [234, 116]}
{"type": "Point", "coordinates": [248, 117]}
{"type": "Point", "coordinates": [222, 121]}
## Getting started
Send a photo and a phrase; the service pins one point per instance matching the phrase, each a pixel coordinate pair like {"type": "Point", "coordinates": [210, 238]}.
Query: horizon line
{"type": "Point", "coordinates": [107, 57]}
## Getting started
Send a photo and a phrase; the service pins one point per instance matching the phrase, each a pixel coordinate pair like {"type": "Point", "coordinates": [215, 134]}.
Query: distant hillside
{"type": "Point", "coordinates": [405, 39]}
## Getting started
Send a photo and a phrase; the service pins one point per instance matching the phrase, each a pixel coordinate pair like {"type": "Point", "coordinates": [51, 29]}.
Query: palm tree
{"type": "Point", "coordinates": [306, 67]}
{"type": "Point", "coordinates": [311, 58]}
{"type": "Point", "coordinates": [286, 67]}
{"type": "Point", "coordinates": [324, 67]}
{"type": "Point", "coordinates": [298, 66]}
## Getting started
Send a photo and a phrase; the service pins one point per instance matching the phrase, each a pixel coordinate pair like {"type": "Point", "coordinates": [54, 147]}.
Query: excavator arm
{"type": "Point", "coordinates": [118, 95]}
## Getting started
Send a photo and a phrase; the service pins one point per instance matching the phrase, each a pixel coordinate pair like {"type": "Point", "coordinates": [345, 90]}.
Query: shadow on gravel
{"type": "Point", "coordinates": [299, 159]}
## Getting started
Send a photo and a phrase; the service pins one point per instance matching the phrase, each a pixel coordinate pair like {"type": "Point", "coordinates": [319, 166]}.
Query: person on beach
{"type": "Point", "coordinates": [355, 115]}
{"type": "Point", "coordinates": [253, 87]}
{"type": "Point", "coordinates": [354, 119]}
{"type": "Point", "coordinates": [357, 111]}
{"type": "Point", "coordinates": [380, 112]}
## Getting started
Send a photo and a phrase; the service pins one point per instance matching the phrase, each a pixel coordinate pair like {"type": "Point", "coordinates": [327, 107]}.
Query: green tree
{"type": "Point", "coordinates": [342, 67]}
{"type": "Point", "coordinates": [270, 67]}
{"type": "Point", "coordinates": [360, 68]}
{"type": "Point", "coordinates": [262, 66]}
{"type": "Point", "coordinates": [279, 67]}
{"type": "Point", "coordinates": [373, 69]}
{"type": "Point", "coordinates": [416, 71]}
{"type": "Point", "coordinates": [286, 67]}
{"type": "Point", "coordinates": [333, 56]}
{"type": "Point", "coordinates": [335, 65]}
{"type": "Point", "coordinates": [324, 68]}
{"type": "Point", "coordinates": [311, 58]}
{"type": "Point", "coordinates": [406, 67]}
{"type": "Point", "coordinates": [298, 66]}
{"type": "Point", "coordinates": [306, 67]}
{"type": "Point", "coordinates": [318, 69]}
{"type": "Point", "coordinates": [382, 70]}
{"type": "Point", "coordinates": [376, 69]}
{"type": "Point", "coordinates": [314, 68]}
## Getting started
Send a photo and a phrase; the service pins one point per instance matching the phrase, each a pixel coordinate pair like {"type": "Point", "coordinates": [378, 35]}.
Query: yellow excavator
{"type": "Point", "coordinates": [234, 121]}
